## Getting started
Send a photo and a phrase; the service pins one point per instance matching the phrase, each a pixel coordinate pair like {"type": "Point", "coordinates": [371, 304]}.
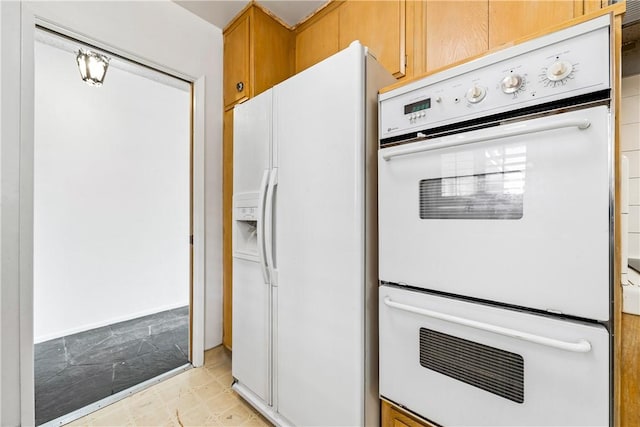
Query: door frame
{"type": "Point", "coordinates": [17, 393]}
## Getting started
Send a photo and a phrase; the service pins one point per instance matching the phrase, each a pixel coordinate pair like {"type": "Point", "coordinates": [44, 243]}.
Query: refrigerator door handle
{"type": "Point", "coordinates": [260, 231]}
{"type": "Point", "coordinates": [273, 182]}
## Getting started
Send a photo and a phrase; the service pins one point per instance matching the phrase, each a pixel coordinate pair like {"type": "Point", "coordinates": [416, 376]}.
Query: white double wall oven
{"type": "Point", "coordinates": [495, 236]}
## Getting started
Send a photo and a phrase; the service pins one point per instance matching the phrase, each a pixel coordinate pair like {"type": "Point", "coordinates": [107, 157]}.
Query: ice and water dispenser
{"type": "Point", "coordinates": [245, 225]}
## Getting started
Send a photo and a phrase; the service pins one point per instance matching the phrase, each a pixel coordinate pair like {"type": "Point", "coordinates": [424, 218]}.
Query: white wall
{"type": "Point", "coordinates": [111, 195]}
{"type": "Point", "coordinates": [630, 145]}
{"type": "Point", "coordinates": [161, 34]}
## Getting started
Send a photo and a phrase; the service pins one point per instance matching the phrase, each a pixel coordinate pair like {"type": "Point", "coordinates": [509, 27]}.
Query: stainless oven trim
{"type": "Point", "coordinates": [611, 327]}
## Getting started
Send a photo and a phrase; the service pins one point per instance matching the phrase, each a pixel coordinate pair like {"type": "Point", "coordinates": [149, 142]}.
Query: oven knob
{"type": "Point", "coordinates": [476, 94]}
{"type": "Point", "coordinates": [511, 83]}
{"type": "Point", "coordinates": [559, 70]}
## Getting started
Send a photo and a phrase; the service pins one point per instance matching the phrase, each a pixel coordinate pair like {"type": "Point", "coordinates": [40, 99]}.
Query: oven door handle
{"type": "Point", "coordinates": [461, 139]}
{"type": "Point", "coordinates": [582, 346]}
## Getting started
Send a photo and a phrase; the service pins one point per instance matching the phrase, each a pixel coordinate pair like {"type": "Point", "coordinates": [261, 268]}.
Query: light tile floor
{"type": "Point", "coordinates": [198, 397]}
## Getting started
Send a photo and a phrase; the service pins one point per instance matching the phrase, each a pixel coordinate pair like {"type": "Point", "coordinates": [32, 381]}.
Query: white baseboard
{"type": "Point", "coordinates": [106, 322]}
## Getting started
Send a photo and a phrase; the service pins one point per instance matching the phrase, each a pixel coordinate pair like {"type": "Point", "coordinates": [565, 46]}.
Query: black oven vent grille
{"type": "Point", "coordinates": [497, 371]}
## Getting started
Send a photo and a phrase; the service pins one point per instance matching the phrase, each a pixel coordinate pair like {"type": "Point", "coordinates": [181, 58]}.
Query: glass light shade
{"type": "Point", "coordinates": [92, 66]}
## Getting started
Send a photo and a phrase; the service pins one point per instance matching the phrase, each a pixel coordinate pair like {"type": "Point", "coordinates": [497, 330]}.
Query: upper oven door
{"type": "Point", "coordinates": [518, 213]}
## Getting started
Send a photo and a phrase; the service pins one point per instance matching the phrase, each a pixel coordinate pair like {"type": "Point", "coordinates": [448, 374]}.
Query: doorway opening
{"type": "Point", "coordinates": [112, 227]}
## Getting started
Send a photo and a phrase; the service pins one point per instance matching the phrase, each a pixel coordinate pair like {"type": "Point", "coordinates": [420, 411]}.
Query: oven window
{"type": "Point", "coordinates": [485, 196]}
{"type": "Point", "coordinates": [491, 369]}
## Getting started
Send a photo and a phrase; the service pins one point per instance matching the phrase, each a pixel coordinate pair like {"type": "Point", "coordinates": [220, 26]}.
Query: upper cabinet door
{"type": "Point", "coordinates": [236, 62]}
{"type": "Point", "coordinates": [273, 46]}
{"type": "Point", "coordinates": [317, 41]}
{"type": "Point", "coordinates": [379, 25]}
{"type": "Point", "coordinates": [510, 20]}
{"type": "Point", "coordinates": [456, 30]}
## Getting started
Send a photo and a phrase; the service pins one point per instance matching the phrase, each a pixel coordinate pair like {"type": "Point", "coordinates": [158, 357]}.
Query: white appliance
{"type": "Point", "coordinates": [496, 231]}
{"type": "Point", "coordinates": [304, 265]}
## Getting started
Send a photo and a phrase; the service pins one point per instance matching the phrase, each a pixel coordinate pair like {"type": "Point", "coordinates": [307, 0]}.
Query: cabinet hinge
{"type": "Point", "coordinates": [191, 240]}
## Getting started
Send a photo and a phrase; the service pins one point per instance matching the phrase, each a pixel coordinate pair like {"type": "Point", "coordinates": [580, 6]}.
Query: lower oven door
{"type": "Point", "coordinates": [459, 363]}
{"type": "Point", "coordinates": [521, 215]}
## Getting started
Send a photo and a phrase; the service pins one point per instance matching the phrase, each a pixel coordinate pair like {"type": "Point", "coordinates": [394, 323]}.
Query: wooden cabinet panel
{"type": "Point", "coordinates": [415, 42]}
{"type": "Point", "coordinates": [317, 41]}
{"type": "Point", "coordinates": [227, 205]}
{"type": "Point", "coordinates": [380, 25]}
{"type": "Point", "coordinates": [258, 51]}
{"type": "Point", "coordinates": [510, 20]}
{"type": "Point", "coordinates": [236, 62]}
{"type": "Point", "coordinates": [630, 381]}
{"type": "Point", "coordinates": [589, 6]}
{"type": "Point", "coordinates": [272, 47]}
{"type": "Point", "coordinates": [456, 30]}
{"type": "Point", "coordinates": [392, 416]}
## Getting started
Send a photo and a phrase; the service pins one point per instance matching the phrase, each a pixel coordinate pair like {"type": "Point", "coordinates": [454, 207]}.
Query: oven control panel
{"type": "Point", "coordinates": [567, 63]}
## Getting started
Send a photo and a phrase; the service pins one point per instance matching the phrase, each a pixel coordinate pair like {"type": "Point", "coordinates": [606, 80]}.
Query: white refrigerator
{"type": "Point", "coordinates": [305, 260]}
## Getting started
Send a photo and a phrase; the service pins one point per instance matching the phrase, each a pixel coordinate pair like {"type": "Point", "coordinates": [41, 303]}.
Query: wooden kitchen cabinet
{"type": "Point", "coordinates": [257, 55]}
{"type": "Point", "coordinates": [272, 46]}
{"type": "Point", "coordinates": [630, 361]}
{"type": "Point", "coordinates": [227, 225]}
{"type": "Point", "coordinates": [510, 20]}
{"type": "Point", "coordinates": [455, 30]}
{"type": "Point", "coordinates": [393, 416]}
{"type": "Point", "coordinates": [413, 37]}
{"type": "Point", "coordinates": [379, 25]}
{"type": "Point", "coordinates": [588, 6]}
{"type": "Point", "coordinates": [317, 39]}
{"type": "Point", "coordinates": [236, 62]}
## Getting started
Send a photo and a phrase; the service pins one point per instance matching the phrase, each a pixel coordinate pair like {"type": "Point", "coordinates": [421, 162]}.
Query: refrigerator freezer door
{"type": "Point", "coordinates": [251, 357]}
{"type": "Point", "coordinates": [319, 242]}
{"type": "Point", "coordinates": [251, 142]}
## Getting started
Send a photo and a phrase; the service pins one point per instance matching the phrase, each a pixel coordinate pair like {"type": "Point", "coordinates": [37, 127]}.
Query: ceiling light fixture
{"type": "Point", "coordinates": [93, 67]}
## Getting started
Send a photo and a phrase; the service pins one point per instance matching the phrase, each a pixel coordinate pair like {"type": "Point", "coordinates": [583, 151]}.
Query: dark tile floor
{"type": "Point", "coordinates": [74, 371]}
